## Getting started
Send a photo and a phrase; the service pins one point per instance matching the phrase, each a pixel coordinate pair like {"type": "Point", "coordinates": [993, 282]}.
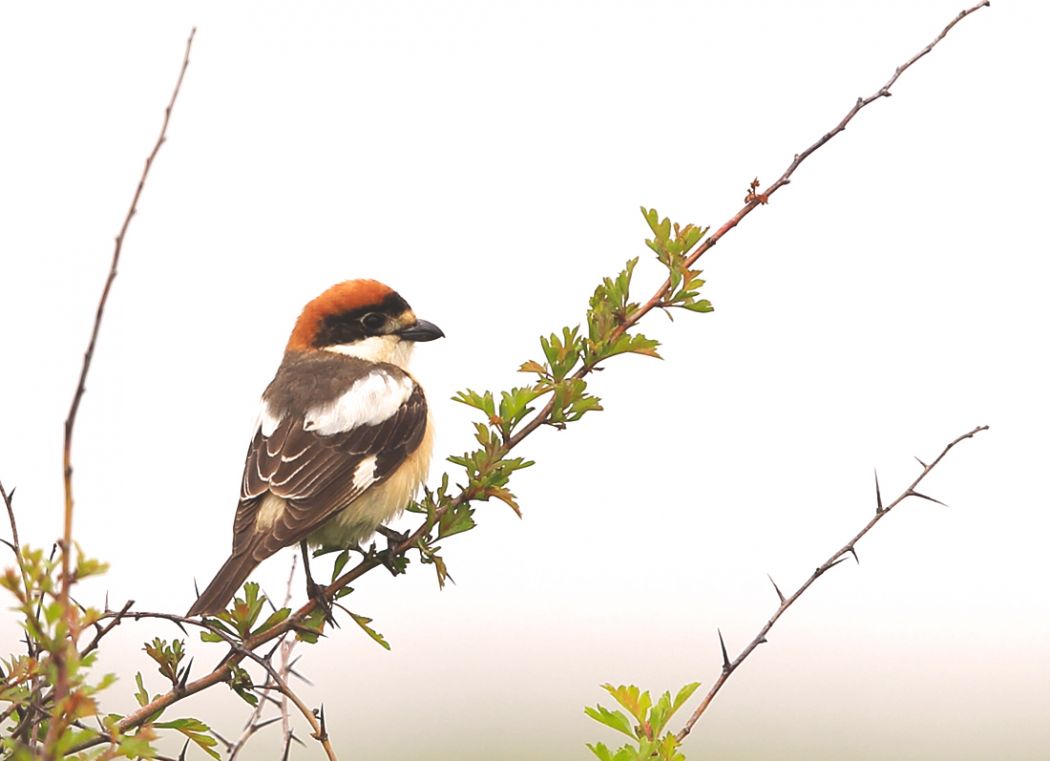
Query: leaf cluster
{"type": "Point", "coordinates": [33, 720]}
{"type": "Point", "coordinates": [644, 723]}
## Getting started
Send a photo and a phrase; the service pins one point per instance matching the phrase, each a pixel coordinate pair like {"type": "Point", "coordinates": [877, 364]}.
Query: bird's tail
{"type": "Point", "coordinates": [225, 584]}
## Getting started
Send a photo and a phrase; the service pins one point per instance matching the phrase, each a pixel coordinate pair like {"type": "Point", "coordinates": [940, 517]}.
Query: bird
{"type": "Point", "coordinates": [343, 438]}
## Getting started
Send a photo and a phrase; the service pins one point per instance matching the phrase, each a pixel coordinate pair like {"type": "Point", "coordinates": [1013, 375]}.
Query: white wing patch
{"type": "Point", "coordinates": [365, 473]}
{"type": "Point", "coordinates": [268, 422]}
{"type": "Point", "coordinates": [371, 400]}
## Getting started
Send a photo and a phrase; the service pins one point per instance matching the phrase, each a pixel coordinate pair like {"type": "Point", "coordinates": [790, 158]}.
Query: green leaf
{"type": "Point", "coordinates": [274, 618]}
{"type": "Point", "coordinates": [484, 402]}
{"type": "Point", "coordinates": [340, 563]}
{"type": "Point", "coordinates": [363, 622]}
{"type": "Point", "coordinates": [141, 696]}
{"type": "Point", "coordinates": [683, 695]}
{"type": "Point", "coordinates": [612, 719]}
{"type": "Point", "coordinates": [195, 730]}
{"type": "Point", "coordinates": [703, 305]}
{"type": "Point", "coordinates": [631, 698]}
{"type": "Point", "coordinates": [601, 751]}
{"type": "Point", "coordinates": [456, 521]}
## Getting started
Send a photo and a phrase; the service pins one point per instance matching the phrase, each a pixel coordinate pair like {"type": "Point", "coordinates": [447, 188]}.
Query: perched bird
{"type": "Point", "coordinates": [344, 437]}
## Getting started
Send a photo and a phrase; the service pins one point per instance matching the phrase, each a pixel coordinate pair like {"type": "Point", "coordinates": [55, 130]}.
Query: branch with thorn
{"type": "Point", "coordinates": [848, 550]}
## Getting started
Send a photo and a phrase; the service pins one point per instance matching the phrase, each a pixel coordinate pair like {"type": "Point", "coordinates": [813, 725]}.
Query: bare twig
{"type": "Point", "coordinates": [255, 722]}
{"type": "Point", "coordinates": [16, 547]}
{"type": "Point", "coordinates": [843, 553]}
{"type": "Point", "coordinates": [754, 200]}
{"type": "Point", "coordinates": [61, 682]}
{"type": "Point", "coordinates": [294, 621]}
{"type": "Point", "coordinates": [9, 497]}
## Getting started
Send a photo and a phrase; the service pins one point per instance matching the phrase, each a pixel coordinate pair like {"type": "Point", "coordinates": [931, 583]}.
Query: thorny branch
{"type": "Point", "coordinates": [255, 721]}
{"type": "Point", "coordinates": [844, 553]}
{"type": "Point", "coordinates": [61, 683]}
{"type": "Point", "coordinates": [245, 649]}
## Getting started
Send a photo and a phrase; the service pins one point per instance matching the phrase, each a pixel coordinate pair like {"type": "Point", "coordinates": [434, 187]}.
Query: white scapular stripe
{"type": "Point", "coordinates": [370, 401]}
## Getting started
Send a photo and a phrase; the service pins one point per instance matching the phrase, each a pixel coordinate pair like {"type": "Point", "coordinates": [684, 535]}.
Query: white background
{"type": "Point", "coordinates": [488, 161]}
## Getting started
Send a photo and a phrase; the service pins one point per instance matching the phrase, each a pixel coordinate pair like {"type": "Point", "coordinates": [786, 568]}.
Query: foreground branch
{"type": "Point", "coordinates": [846, 551]}
{"type": "Point", "coordinates": [62, 680]}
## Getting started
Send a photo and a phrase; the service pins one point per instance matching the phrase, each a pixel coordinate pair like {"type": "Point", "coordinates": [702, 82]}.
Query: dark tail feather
{"type": "Point", "coordinates": [224, 586]}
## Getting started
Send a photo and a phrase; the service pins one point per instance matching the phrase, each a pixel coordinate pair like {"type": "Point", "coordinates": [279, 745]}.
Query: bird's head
{"type": "Point", "coordinates": [361, 318]}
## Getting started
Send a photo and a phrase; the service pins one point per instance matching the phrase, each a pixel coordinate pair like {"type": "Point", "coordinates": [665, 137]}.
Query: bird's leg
{"type": "Point", "coordinates": [314, 590]}
{"type": "Point", "coordinates": [390, 558]}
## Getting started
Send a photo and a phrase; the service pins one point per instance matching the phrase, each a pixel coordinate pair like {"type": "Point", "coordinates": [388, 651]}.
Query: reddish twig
{"type": "Point", "coordinates": [754, 200]}
{"type": "Point", "coordinates": [844, 553]}
{"type": "Point", "coordinates": [61, 682]}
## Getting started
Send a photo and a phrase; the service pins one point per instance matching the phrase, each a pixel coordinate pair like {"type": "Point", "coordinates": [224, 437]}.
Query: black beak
{"type": "Point", "coordinates": [421, 331]}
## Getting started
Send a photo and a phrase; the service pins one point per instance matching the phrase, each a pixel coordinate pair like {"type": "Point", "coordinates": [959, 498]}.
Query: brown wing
{"type": "Point", "coordinates": [318, 475]}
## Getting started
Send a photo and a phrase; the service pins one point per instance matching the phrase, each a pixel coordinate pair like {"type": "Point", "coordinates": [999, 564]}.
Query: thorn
{"type": "Point", "coordinates": [221, 739]}
{"type": "Point", "coordinates": [914, 493]}
{"type": "Point", "coordinates": [853, 552]}
{"type": "Point", "coordinates": [268, 600]}
{"type": "Point", "coordinates": [779, 593]}
{"type": "Point", "coordinates": [299, 676]}
{"type": "Point", "coordinates": [266, 723]}
{"type": "Point", "coordinates": [924, 465]}
{"type": "Point", "coordinates": [832, 565]}
{"type": "Point", "coordinates": [182, 755]}
{"type": "Point", "coordinates": [324, 729]}
{"type": "Point", "coordinates": [292, 735]}
{"type": "Point", "coordinates": [196, 589]}
{"type": "Point", "coordinates": [287, 747]}
{"type": "Point", "coordinates": [878, 495]}
{"type": "Point", "coordinates": [184, 676]}
{"type": "Point", "coordinates": [725, 655]}
{"type": "Point", "coordinates": [183, 628]}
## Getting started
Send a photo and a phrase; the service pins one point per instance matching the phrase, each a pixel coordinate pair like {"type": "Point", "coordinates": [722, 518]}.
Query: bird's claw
{"type": "Point", "coordinates": [391, 559]}
{"type": "Point", "coordinates": [316, 593]}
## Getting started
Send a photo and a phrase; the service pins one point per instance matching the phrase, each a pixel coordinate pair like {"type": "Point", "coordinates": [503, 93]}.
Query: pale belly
{"type": "Point", "coordinates": [380, 504]}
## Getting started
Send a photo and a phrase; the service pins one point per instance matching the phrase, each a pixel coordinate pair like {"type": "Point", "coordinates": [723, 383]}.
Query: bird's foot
{"type": "Point", "coordinates": [315, 592]}
{"type": "Point", "coordinates": [390, 558]}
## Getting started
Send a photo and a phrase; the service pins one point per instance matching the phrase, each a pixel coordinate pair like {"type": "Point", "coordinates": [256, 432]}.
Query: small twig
{"type": "Point", "coordinates": [254, 722]}
{"type": "Point", "coordinates": [104, 630]}
{"type": "Point", "coordinates": [16, 546]}
{"type": "Point", "coordinates": [62, 680]}
{"type": "Point", "coordinates": [729, 666]}
{"type": "Point", "coordinates": [760, 199]}
{"type": "Point", "coordinates": [9, 498]}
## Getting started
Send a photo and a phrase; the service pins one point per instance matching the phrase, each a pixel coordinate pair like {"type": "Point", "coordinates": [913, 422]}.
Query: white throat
{"type": "Point", "coordinates": [389, 349]}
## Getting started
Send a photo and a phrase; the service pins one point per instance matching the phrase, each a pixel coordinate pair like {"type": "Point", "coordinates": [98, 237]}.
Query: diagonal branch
{"type": "Point", "coordinates": [843, 553]}
{"type": "Point", "coordinates": [754, 200]}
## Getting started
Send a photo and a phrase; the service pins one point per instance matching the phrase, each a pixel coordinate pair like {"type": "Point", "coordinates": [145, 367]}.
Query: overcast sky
{"type": "Point", "coordinates": [487, 160]}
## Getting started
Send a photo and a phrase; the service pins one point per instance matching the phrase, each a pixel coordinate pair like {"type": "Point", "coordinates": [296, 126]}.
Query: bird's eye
{"type": "Point", "coordinates": [373, 321]}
